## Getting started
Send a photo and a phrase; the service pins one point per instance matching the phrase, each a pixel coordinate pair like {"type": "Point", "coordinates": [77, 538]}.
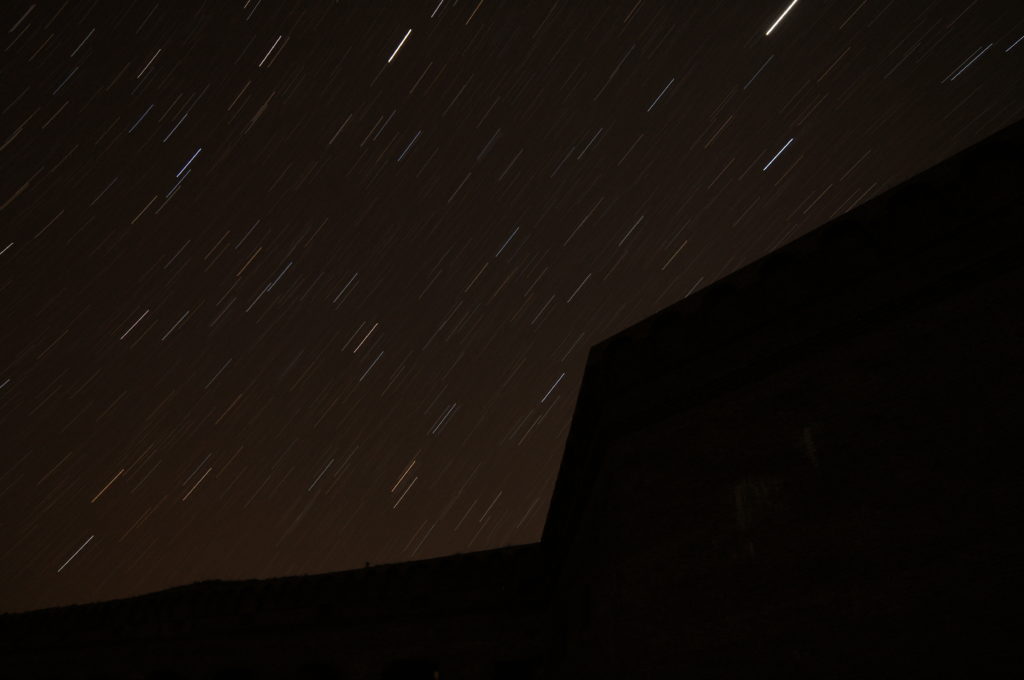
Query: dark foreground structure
{"type": "Point", "coordinates": [810, 467]}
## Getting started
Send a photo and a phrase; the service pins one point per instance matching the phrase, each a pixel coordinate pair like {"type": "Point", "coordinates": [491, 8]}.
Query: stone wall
{"type": "Point", "coordinates": [811, 464]}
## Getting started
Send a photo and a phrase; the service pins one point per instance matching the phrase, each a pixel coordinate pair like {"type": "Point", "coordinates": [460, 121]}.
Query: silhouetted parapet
{"type": "Point", "coordinates": [805, 465]}
{"type": "Point", "coordinates": [466, 581]}
{"type": "Point", "coordinates": [376, 616]}
{"type": "Point", "coordinates": [941, 229]}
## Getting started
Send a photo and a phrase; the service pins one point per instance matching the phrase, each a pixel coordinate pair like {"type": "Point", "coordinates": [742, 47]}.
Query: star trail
{"type": "Point", "coordinates": [290, 287]}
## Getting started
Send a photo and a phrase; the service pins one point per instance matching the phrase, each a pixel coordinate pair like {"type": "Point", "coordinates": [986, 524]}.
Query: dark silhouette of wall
{"type": "Point", "coordinates": [462, 616]}
{"type": "Point", "coordinates": [809, 467]}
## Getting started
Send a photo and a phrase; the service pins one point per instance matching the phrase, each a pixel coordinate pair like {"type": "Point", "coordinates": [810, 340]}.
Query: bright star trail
{"type": "Point", "coordinates": [286, 290]}
{"type": "Point", "coordinates": [778, 154]}
{"type": "Point", "coordinates": [781, 17]}
{"type": "Point", "coordinates": [404, 38]}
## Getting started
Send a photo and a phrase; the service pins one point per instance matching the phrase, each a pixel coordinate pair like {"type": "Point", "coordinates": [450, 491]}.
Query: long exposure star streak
{"type": "Point", "coordinates": [290, 287]}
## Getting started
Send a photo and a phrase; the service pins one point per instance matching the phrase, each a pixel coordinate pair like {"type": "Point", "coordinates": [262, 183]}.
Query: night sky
{"type": "Point", "coordinates": [289, 287]}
